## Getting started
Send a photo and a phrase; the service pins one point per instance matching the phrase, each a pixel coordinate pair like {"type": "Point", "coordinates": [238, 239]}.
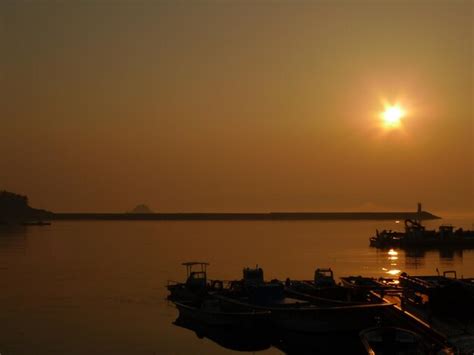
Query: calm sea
{"type": "Point", "coordinates": [99, 287]}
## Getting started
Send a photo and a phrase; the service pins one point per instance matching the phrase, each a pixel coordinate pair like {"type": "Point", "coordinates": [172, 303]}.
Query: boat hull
{"type": "Point", "coordinates": [318, 319]}
{"type": "Point", "coordinates": [247, 319]}
{"type": "Point", "coordinates": [328, 320]}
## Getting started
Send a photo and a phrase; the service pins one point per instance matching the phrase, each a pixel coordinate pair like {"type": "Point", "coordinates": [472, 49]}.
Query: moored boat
{"type": "Point", "coordinates": [309, 318]}
{"type": "Point", "coordinates": [416, 235]}
{"type": "Point", "coordinates": [300, 314]}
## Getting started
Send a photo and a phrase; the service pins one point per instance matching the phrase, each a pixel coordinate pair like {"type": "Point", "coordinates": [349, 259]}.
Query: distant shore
{"type": "Point", "coordinates": [243, 216]}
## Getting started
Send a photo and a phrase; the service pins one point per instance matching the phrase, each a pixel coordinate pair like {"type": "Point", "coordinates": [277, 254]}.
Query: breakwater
{"type": "Point", "coordinates": [245, 216]}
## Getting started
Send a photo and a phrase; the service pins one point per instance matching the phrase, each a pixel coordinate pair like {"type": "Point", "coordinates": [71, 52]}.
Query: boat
{"type": "Point", "coordinates": [392, 341]}
{"type": "Point", "coordinates": [416, 235]}
{"type": "Point", "coordinates": [468, 284]}
{"type": "Point", "coordinates": [296, 313]}
{"type": "Point", "coordinates": [386, 239]}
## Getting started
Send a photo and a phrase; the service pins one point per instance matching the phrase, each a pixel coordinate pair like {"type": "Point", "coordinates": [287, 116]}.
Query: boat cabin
{"type": "Point", "coordinates": [260, 292]}
{"type": "Point", "coordinates": [196, 274]}
{"type": "Point", "coordinates": [324, 278]}
{"type": "Point", "coordinates": [253, 277]}
{"type": "Point", "coordinates": [446, 231]}
{"type": "Point", "coordinates": [414, 229]}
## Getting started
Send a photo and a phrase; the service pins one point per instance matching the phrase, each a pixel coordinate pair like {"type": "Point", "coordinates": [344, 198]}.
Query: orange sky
{"type": "Point", "coordinates": [237, 105]}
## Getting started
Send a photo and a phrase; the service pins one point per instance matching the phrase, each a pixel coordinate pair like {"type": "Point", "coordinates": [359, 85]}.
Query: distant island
{"type": "Point", "coordinates": [14, 209]}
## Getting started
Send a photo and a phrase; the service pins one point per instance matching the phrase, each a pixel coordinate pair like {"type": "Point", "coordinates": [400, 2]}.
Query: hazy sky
{"type": "Point", "coordinates": [237, 105]}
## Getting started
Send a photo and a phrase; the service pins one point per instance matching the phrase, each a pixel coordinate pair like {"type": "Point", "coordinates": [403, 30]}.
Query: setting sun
{"type": "Point", "coordinates": [392, 116]}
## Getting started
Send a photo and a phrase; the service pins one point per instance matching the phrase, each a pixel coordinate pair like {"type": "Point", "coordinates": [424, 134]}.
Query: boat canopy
{"type": "Point", "coordinates": [253, 276]}
{"type": "Point", "coordinates": [201, 266]}
{"type": "Point", "coordinates": [324, 277]}
{"type": "Point", "coordinates": [191, 263]}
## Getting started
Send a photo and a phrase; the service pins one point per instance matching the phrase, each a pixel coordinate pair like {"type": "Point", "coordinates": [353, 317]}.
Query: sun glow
{"type": "Point", "coordinates": [392, 116]}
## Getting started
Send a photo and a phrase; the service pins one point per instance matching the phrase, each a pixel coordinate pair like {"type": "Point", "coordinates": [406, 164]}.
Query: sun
{"type": "Point", "coordinates": [392, 116]}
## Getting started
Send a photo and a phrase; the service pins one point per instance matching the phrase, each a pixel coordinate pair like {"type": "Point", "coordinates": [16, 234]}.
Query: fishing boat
{"type": "Point", "coordinates": [416, 235]}
{"type": "Point", "coordinates": [299, 314]}
{"type": "Point", "coordinates": [309, 318]}
{"type": "Point", "coordinates": [386, 238]}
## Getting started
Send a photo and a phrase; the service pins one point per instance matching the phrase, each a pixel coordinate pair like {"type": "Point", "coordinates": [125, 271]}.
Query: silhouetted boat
{"type": "Point", "coordinates": [299, 314]}
{"type": "Point", "coordinates": [392, 341]}
{"type": "Point", "coordinates": [416, 235]}
{"type": "Point", "coordinates": [316, 319]}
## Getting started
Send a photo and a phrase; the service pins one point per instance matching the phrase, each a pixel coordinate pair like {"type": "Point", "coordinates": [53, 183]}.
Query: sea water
{"type": "Point", "coordinates": [99, 287]}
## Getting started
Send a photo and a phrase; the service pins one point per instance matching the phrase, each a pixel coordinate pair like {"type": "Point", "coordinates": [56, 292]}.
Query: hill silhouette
{"type": "Point", "coordinates": [14, 208]}
{"type": "Point", "coordinates": [141, 209]}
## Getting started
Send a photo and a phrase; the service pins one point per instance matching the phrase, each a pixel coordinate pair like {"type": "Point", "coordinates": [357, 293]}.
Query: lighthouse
{"type": "Point", "coordinates": [419, 213]}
